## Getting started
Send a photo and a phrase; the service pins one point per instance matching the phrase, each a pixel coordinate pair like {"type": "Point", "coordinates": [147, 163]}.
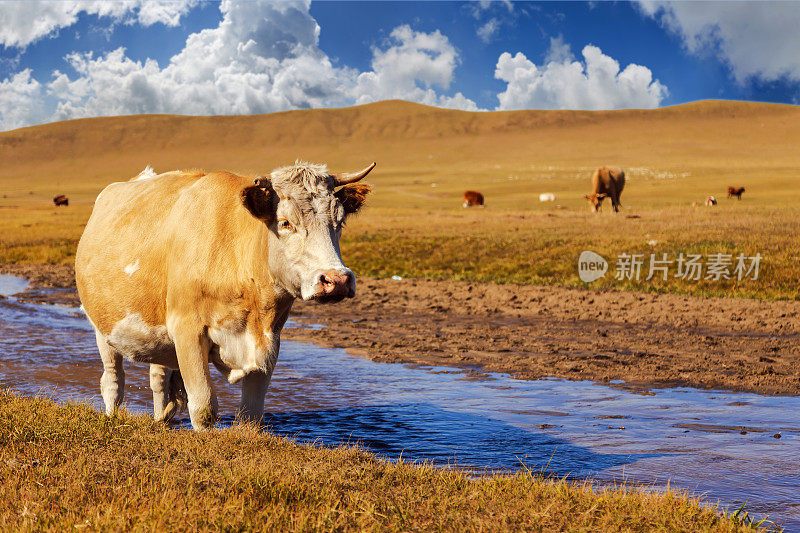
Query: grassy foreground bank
{"type": "Point", "coordinates": [68, 466]}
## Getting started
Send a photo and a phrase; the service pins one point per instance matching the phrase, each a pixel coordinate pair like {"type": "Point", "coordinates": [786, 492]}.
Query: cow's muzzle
{"type": "Point", "coordinates": [335, 285]}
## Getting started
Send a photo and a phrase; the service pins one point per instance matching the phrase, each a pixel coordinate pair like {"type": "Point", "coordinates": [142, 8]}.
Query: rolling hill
{"type": "Point", "coordinates": [408, 140]}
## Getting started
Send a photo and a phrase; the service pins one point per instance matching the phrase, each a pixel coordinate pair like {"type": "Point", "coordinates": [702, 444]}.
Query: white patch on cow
{"type": "Point", "coordinates": [131, 268]}
{"type": "Point", "coordinates": [136, 340]}
{"type": "Point", "coordinates": [235, 376]}
{"type": "Point", "coordinates": [146, 174]}
{"type": "Point", "coordinates": [238, 351]}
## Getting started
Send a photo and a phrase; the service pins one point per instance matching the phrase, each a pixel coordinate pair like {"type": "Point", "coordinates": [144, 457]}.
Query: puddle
{"type": "Point", "coordinates": [716, 443]}
{"type": "Point", "coordinates": [10, 285]}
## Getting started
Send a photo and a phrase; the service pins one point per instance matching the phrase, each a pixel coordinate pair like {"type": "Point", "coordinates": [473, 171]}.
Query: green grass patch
{"type": "Point", "coordinates": [543, 247]}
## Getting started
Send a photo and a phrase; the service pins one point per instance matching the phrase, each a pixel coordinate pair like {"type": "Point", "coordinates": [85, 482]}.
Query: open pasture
{"type": "Point", "coordinates": [427, 157]}
{"type": "Point", "coordinates": [415, 227]}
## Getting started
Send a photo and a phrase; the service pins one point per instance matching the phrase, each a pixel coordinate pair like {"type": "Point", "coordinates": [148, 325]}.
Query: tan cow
{"type": "Point", "coordinates": [184, 269]}
{"type": "Point", "coordinates": [606, 182]}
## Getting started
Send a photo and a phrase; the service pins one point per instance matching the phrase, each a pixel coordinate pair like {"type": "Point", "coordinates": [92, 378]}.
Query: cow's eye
{"type": "Point", "coordinates": [285, 225]}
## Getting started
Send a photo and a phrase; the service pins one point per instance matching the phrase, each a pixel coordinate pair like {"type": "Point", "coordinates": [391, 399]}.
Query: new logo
{"type": "Point", "coordinates": [591, 266]}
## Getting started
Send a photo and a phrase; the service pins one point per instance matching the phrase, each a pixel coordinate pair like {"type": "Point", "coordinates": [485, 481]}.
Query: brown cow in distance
{"type": "Point", "coordinates": [735, 191]}
{"type": "Point", "coordinates": [472, 198]}
{"type": "Point", "coordinates": [61, 200]}
{"type": "Point", "coordinates": [606, 182]}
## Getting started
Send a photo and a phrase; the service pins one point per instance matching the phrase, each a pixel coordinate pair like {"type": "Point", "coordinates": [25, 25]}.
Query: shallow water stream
{"type": "Point", "coordinates": [718, 443]}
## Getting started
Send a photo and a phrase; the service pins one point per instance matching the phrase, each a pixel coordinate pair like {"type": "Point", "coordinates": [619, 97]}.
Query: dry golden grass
{"type": "Point", "coordinates": [68, 467]}
{"type": "Point", "coordinates": [427, 157]}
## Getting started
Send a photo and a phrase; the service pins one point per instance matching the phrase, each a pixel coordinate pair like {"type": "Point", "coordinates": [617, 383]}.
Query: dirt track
{"type": "Point", "coordinates": [531, 331]}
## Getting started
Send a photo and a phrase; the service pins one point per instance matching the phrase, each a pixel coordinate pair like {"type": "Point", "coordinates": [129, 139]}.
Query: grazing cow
{"type": "Point", "coordinates": [547, 197]}
{"type": "Point", "coordinates": [61, 200]}
{"type": "Point", "coordinates": [710, 201]}
{"type": "Point", "coordinates": [606, 181]}
{"type": "Point", "coordinates": [735, 191]}
{"type": "Point", "coordinates": [183, 269]}
{"type": "Point", "coordinates": [472, 198]}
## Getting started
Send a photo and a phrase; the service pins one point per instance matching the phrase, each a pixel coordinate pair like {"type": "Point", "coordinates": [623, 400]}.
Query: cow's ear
{"type": "Point", "coordinates": [259, 201]}
{"type": "Point", "coordinates": [353, 196]}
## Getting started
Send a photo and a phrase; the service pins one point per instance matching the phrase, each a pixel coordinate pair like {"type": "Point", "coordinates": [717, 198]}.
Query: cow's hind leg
{"type": "Point", "coordinates": [614, 194]}
{"type": "Point", "coordinates": [112, 383]}
{"type": "Point", "coordinates": [169, 395]}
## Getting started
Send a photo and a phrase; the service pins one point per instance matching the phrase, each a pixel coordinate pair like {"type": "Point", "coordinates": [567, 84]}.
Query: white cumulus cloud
{"type": "Point", "coordinates": [409, 68]}
{"type": "Point", "coordinates": [25, 22]}
{"type": "Point", "coordinates": [20, 101]}
{"type": "Point", "coordinates": [262, 57]}
{"type": "Point", "coordinates": [563, 83]}
{"type": "Point", "coordinates": [756, 39]}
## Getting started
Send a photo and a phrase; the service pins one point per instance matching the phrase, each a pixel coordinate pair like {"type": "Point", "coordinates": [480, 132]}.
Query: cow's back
{"type": "Point", "coordinates": [121, 260]}
{"type": "Point", "coordinates": [473, 198]}
{"type": "Point", "coordinates": [603, 178]}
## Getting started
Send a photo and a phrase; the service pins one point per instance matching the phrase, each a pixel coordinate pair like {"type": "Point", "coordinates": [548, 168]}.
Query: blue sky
{"type": "Point", "coordinates": [62, 59]}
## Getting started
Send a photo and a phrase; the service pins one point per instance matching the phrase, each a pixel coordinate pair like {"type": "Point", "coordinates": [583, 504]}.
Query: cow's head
{"type": "Point", "coordinates": [595, 200]}
{"type": "Point", "coordinates": [305, 208]}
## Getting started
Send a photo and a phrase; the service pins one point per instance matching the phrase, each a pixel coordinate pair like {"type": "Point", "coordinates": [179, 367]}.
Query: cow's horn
{"type": "Point", "coordinates": [344, 179]}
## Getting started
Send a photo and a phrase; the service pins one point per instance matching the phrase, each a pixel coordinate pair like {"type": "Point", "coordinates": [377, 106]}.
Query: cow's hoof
{"type": "Point", "coordinates": [203, 419]}
{"type": "Point", "coordinates": [176, 397]}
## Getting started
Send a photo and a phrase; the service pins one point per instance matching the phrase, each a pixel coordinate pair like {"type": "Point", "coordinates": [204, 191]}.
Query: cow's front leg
{"type": "Point", "coordinates": [254, 389]}
{"type": "Point", "coordinates": [169, 396]}
{"type": "Point", "coordinates": [192, 347]}
{"type": "Point", "coordinates": [112, 382]}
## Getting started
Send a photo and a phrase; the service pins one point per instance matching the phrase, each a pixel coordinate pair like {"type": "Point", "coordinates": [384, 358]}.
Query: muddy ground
{"type": "Point", "coordinates": [647, 340]}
